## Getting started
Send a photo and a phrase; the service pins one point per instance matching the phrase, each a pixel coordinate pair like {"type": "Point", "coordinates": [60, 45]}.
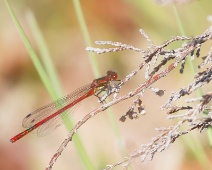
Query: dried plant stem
{"type": "Point", "coordinates": [169, 134]}
{"type": "Point", "coordinates": [119, 99]}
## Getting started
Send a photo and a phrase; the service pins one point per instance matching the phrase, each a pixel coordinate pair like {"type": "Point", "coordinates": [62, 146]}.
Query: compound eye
{"type": "Point", "coordinates": [112, 74]}
{"type": "Point", "coordinates": [115, 76]}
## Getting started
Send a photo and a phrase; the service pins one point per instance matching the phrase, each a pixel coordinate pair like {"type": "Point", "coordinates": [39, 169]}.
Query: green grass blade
{"type": "Point", "coordinates": [31, 51]}
{"type": "Point", "coordinates": [48, 82]}
{"type": "Point", "coordinates": [86, 36]}
{"type": "Point", "coordinates": [94, 65]}
{"type": "Point", "coordinates": [45, 55]}
{"type": "Point", "coordinates": [48, 64]}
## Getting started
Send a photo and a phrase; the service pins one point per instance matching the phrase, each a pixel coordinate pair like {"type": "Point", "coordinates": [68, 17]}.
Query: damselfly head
{"type": "Point", "coordinates": [112, 75]}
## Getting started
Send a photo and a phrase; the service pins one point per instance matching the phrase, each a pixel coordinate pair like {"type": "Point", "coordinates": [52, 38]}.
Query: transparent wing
{"type": "Point", "coordinates": [49, 109]}
{"type": "Point", "coordinates": [55, 122]}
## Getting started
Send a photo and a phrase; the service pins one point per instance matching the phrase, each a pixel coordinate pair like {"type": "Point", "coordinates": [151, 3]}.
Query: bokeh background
{"type": "Point", "coordinates": [22, 91]}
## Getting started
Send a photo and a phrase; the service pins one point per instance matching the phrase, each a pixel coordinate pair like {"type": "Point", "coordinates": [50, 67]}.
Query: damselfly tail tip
{"type": "Point", "coordinates": [12, 140]}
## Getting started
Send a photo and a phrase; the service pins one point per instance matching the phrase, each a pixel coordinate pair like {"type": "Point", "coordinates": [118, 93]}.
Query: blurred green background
{"type": "Point", "coordinates": [22, 91]}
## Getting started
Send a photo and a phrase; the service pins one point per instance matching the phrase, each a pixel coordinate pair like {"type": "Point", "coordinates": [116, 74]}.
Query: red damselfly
{"type": "Point", "coordinates": [48, 117]}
